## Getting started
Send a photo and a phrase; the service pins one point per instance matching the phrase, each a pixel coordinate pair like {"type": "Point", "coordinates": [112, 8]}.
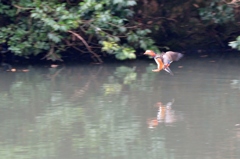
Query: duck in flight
{"type": "Point", "coordinates": [164, 60]}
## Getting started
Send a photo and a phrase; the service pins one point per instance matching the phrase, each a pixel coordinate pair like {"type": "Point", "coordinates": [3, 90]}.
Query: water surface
{"type": "Point", "coordinates": [122, 111]}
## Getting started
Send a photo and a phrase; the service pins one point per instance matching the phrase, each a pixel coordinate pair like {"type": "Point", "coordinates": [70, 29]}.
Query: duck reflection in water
{"type": "Point", "coordinates": [165, 115]}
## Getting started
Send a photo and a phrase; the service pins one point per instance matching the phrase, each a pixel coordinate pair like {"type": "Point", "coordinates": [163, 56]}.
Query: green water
{"type": "Point", "coordinates": [118, 111]}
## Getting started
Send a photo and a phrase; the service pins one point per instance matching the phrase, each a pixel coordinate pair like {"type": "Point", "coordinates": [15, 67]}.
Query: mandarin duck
{"type": "Point", "coordinates": [164, 60]}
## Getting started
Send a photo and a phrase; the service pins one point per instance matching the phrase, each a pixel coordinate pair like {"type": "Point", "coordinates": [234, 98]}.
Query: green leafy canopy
{"type": "Point", "coordinates": [92, 26]}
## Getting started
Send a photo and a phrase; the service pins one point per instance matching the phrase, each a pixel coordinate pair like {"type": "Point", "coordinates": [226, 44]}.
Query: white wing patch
{"type": "Point", "coordinates": [158, 64]}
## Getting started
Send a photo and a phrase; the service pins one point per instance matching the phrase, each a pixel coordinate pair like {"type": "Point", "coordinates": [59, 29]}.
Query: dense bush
{"type": "Point", "coordinates": [90, 26]}
{"type": "Point", "coordinates": [118, 28]}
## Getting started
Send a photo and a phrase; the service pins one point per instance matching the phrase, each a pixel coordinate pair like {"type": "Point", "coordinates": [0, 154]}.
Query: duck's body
{"type": "Point", "coordinates": [164, 60]}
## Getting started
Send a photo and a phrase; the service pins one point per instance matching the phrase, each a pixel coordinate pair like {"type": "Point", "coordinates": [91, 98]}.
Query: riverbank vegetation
{"type": "Point", "coordinates": [122, 29]}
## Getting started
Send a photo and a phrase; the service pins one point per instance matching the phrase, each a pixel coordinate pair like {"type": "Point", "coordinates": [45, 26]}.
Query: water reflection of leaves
{"type": "Point", "coordinates": [122, 76]}
{"type": "Point", "coordinates": [81, 90]}
{"type": "Point", "coordinates": [128, 74]}
{"type": "Point", "coordinates": [112, 88]}
{"type": "Point", "coordinates": [126, 77]}
{"type": "Point", "coordinates": [48, 117]}
{"type": "Point", "coordinates": [54, 72]}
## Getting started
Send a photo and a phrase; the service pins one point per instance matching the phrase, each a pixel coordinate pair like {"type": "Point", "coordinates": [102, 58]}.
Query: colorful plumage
{"type": "Point", "coordinates": [164, 60]}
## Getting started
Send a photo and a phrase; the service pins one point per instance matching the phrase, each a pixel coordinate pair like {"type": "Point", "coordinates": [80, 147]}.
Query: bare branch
{"type": "Point", "coordinates": [52, 53]}
{"type": "Point", "coordinates": [19, 7]}
{"type": "Point", "coordinates": [84, 52]}
{"type": "Point", "coordinates": [87, 46]}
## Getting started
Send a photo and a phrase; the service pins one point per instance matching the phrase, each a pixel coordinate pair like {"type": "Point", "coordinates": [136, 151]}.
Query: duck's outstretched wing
{"type": "Point", "coordinates": [174, 56]}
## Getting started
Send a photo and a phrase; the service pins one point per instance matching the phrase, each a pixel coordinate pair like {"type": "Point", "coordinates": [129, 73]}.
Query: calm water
{"type": "Point", "coordinates": [122, 111]}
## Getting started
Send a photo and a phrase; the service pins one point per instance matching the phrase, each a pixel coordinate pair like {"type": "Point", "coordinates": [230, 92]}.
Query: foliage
{"type": "Point", "coordinates": [89, 26]}
{"type": "Point", "coordinates": [118, 28]}
{"type": "Point", "coordinates": [217, 12]}
{"type": "Point", "coordinates": [235, 44]}
{"type": "Point", "coordinates": [196, 24]}
{"type": "Point", "coordinates": [221, 12]}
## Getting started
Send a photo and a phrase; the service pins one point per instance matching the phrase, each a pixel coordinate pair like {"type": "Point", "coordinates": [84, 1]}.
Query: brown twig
{"type": "Point", "coordinates": [84, 52]}
{"type": "Point", "coordinates": [169, 19]}
{"type": "Point", "coordinates": [51, 53]}
{"type": "Point", "coordinates": [19, 7]}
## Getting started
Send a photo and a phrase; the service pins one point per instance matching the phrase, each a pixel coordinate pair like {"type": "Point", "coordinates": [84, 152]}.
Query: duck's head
{"type": "Point", "coordinates": [150, 53]}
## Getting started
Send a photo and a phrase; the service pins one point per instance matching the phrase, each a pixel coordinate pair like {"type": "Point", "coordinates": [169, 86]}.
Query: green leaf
{"type": "Point", "coordinates": [143, 44]}
{"type": "Point", "coordinates": [120, 56]}
{"type": "Point", "coordinates": [132, 56]}
{"type": "Point", "coordinates": [238, 39]}
{"type": "Point", "coordinates": [233, 44]}
{"type": "Point", "coordinates": [131, 3]}
{"type": "Point", "coordinates": [54, 37]}
{"type": "Point", "coordinates": [122, 29]}
{"type": "Point", "coordinates": [117, 1]}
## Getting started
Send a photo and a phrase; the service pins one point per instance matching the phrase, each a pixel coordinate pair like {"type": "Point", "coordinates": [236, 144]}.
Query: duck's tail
{"type": "Point", "coordinates": [167, 69]}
